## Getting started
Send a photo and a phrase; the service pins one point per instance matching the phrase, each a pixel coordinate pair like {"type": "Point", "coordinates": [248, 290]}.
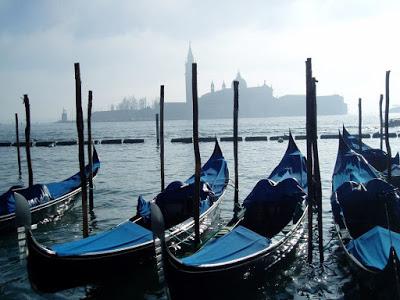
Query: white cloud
{"type": "Point", "coordinates": [131, 47]}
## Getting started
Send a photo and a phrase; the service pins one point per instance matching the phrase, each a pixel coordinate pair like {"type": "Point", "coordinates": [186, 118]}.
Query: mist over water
{"type": "Point", "coordinates": [130, 170]}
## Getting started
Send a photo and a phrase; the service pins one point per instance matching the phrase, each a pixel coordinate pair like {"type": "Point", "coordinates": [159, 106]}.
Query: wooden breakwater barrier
{"type": "Point", "coordinates": [300, 137]}
{"type": "Point", "coordinates": [66, 143]}
{"type": "Point", "coordinates": [329, 136]}
{"type": "Point", "coordinates": [133, 141]}
{"type": "Point", "coordinates": [111, 141]}
{"type": "Point", "coordinates": [378, 135]}
{"type": "Point", "coordinates": [45, 143]}
{"type": "Point", "coordinates": [187, 140]}
{"type": "Point", "coordinates": [182, 140]}
{"type": "Point", "coordinates": [255, 138]}
{"type": "Point", "coordinates": [279, 137]}
{"type": "Point", "coordinates": [22, 144]}
{"type": "Point", "coordinates": [230, 139]}
{"type": "Point", "coordinates": [73, 142]}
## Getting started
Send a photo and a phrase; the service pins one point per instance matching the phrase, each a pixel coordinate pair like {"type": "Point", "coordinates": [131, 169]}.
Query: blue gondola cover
{"type": "Point", "coordinates": [351, 166]}
{"type": "Point", "coordinates": [271, 206]}
{"type": "Point", "coordinates": [365, 206]}
{"type": "Point", "coordinates": [272, 203]}
{"type": "Point", "coordinates": [376, 157]}
{"type": "Point", "coordinates": [240, 242]}
{"type": "Point", "coordinates": [176, 201]}
{"type": "Point", "coordinates": [127, 234]}
{"type": "Point", "coordinates": [41, 193]}
{"type": "Point", "coordinates": [373, 247]}
{"type": "Point", "coordinates": [292, 165]}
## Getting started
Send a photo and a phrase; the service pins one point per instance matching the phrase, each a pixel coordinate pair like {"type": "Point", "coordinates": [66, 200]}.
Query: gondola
{"type": "Point", "coordinates": [375, 157]}
{"type": "Point", "coordinates": [45, 200]}
{"type": "Point", "coordinates": [366, 212]}
{"type": "Point", "coordinates": [266, 229]}
{"type": "Point", "coordinates": [121, 250]}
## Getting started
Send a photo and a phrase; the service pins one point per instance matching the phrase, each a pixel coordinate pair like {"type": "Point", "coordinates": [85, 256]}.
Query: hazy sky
{"type": "Point", "coordinates": [131, 47]}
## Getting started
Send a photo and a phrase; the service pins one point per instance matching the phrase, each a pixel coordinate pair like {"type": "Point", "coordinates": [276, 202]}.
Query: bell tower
{"type": "Point", "coordinates": [188, 75]}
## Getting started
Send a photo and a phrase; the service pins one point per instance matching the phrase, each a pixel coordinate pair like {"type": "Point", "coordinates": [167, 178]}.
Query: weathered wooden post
{"type": "Point", "coordinates": [79, 125]}
{"type": "Point", "coordinates": [317, 174]}
{"type": "Point", "coordinates": [162, 137]}
{"type": "Point", "coordinates": [389, 152]}
{"type": "Point", "coordinates": [359, 125]}
{"type": "Point", "coordinates": [157, 131]}
{"type": "Point", "coordinates": [28, 138]}
{"type": "Point", "coordinates": [235, 142]}
{"type": "Point", "coordinates": [309, 121]}
{"type": "Point", "coordinates": [90, 150]}
{"type": "Point", "coordinates": [17, 142]}
{"type": "Point", "coordinates": [381, 121]}
{"type": "Point", "coordinates": [196, 200]}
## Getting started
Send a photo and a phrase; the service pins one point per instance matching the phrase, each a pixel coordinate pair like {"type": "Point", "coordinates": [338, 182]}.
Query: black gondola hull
{"type": "Point", "coordinates": [50, 273]}
{"type": "Point", "coordinates": [373, 284]}
{"type": "Point", "coordinates": [185, 280]}
{"type": "Point", "coordinates": [46, 211]}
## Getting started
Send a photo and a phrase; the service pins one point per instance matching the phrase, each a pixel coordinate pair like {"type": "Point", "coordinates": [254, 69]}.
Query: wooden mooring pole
{"type": "Point", "coordinates": [162, 137]}
{"type": "Point", "coordinates": [359, 125]}
{"type": "Point", "coordinates": [28, 138]}
{"type": "Point", "coordinates": [317, 174]}
{"type": "Point", "coordinates": [309, 120]}
{"type": "Point", "coordinates": [235, 142]}
{"type": "Point", "coordinates": [381, 121]}
{"type": "Point", "coordinates": [157, 131]}
{"type": "Point", "coordinates": [17, 142]}
{"type": "Point", "coordinates": [388, 150]}
{"type": "Point", "coordinates": [196, 200]}
{"type": "Point", "coordinates": [79, 126]}
{"type": "Point", "coordinates": [90, 150]}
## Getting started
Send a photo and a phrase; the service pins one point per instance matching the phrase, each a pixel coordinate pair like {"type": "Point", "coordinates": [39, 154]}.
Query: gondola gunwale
{"type": "Point", "coordinates": [233, 264]}
{"type": "Point", "coordinates": [353, 260]}
{"type": "Point", "coordinates": [173, 231]}
{"type": "Point", "coordinates": [5, 220]}
{"type": "Point", "coordinates": [172, 261]}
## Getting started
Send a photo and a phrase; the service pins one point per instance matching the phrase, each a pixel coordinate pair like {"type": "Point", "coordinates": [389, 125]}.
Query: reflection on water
{"type": "Point", "coordinates": [128, 171]}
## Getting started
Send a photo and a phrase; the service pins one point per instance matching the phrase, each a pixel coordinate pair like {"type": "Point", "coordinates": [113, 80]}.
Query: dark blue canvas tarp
{"type": "Point", "coordinates": [238, 243]}
{"type": "Point", "coordinates": [176, 201]}
{"type": "Point", "coordinates": [292, 165]}
{"type": "Point", "coordinates": [373, 247]}
{"type": "Point", "coordinates": [41, 193]}
{"type": "Point", "coordinates": [351, 166]}
{"type": "Point", "coordinates": [364, 206]}
{"type": "Point", "coordinates": [271, 206]}
{"type": "Point", "coordinates": [272, 203]}
{"type": "Point", "coordinates": [214, 172]}
{"type": "Point", "coordinates": [376, 157]}
{"type": "Point", "coordinates": [35, 195]}
{"type": "Point", "coordinates": [127, 234]}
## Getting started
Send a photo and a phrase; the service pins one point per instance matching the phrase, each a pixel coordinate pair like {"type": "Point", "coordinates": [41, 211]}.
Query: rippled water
{"type": "Point", "coordinates": [133, 169]}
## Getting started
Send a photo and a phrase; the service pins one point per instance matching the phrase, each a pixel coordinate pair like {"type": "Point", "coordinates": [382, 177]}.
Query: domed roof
{"type": "Point", "coordinates": [242, 82]}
